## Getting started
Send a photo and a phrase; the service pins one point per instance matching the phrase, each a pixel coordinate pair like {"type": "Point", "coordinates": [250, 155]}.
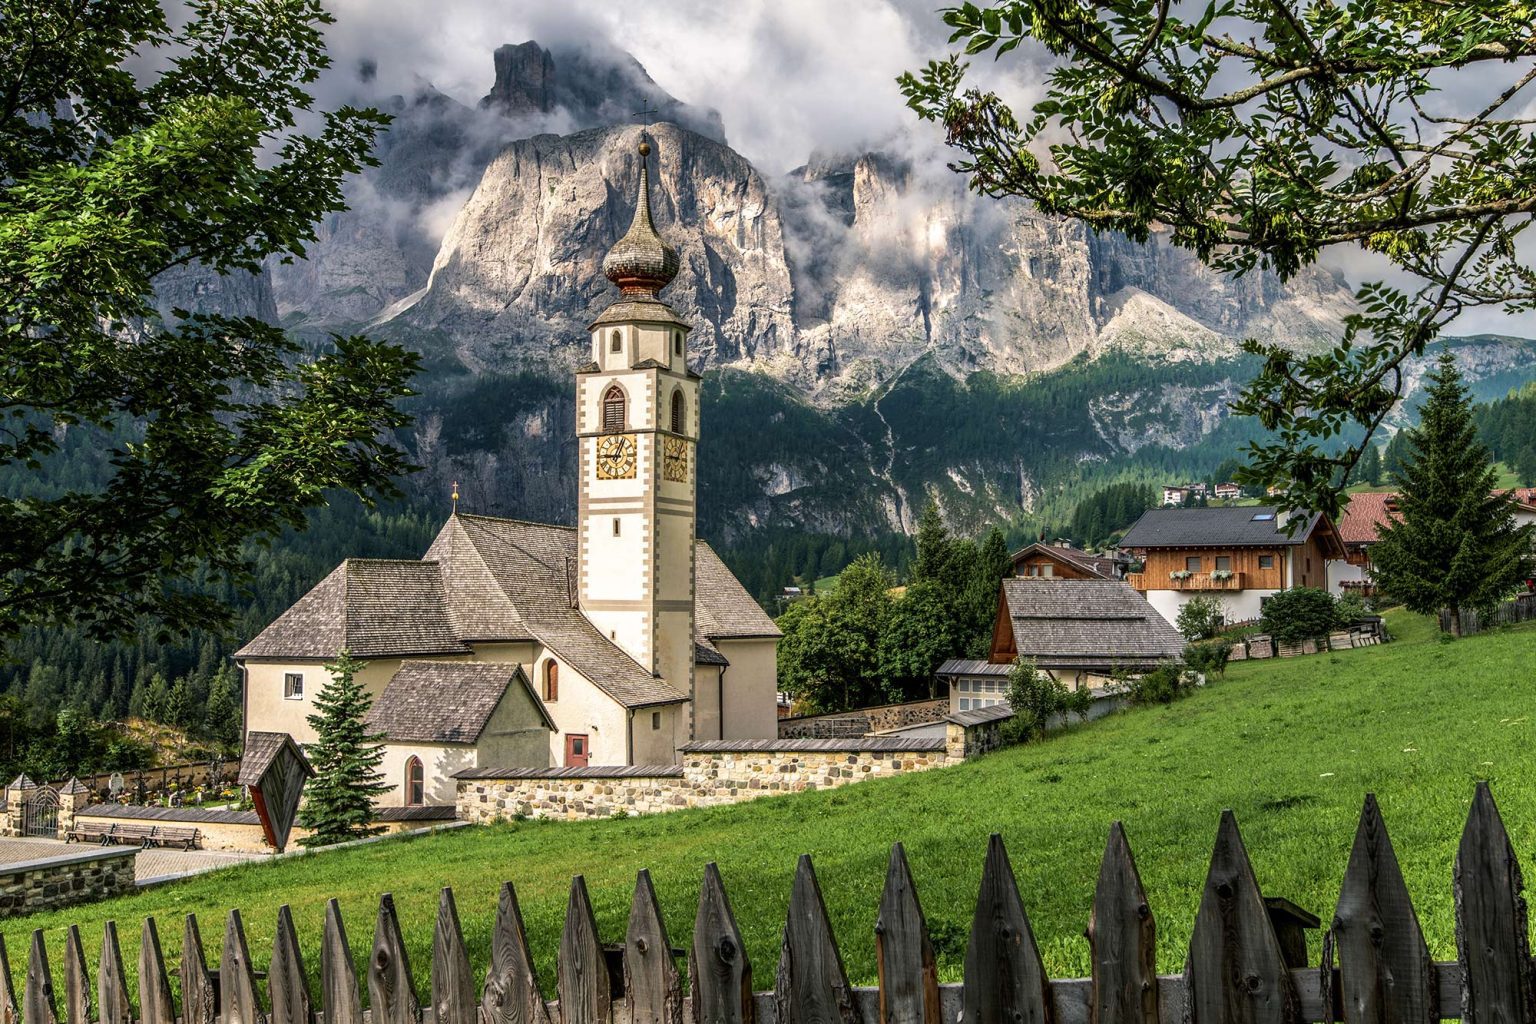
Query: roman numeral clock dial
{"type": "Point", "coordinates": [616, 457]}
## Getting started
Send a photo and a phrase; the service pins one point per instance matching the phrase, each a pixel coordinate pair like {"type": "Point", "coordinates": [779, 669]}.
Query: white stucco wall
{"type": "Point", "coordinates": [583, 708]}
{"type": "Point", "coordinates": [267, 710]}
{"type": "Point", "coordinates": [751, 687]}
{"type": "Point", "coordinates": [1236, 605]}
{"type": "Point", "coordinates": [1341, 572]}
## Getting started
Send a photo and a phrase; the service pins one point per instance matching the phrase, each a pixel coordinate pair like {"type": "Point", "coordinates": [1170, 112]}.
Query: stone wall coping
{"type": "Point", "coordinates": [95, 853]}
{"type": "Point", "coordinates": [852, 745]}
{"type": "Point", "coordinates": [617, 771]}
{"type": "Point", "coordinates": [136, 812]}
{"type": "Point", "coordinates": [856, 712]}
{"type": "Point", "coordinates": [981, 716]}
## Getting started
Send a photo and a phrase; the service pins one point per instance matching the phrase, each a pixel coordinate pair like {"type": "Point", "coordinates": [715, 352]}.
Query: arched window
{"type": "Point", "coordinates": [678, 409]}
{"type": "Point", "coordinates": [415, 782]}
{"type": "Point", "coordinates": [616, 342]}
{"type": "Point", "coordinates": [613, 410]}
{"type": "Point", "coordinates": [551, 681]}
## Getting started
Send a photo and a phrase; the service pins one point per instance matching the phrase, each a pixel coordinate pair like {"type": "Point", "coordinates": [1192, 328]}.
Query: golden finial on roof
{"type": "Point", "coordinates": [640, 262]}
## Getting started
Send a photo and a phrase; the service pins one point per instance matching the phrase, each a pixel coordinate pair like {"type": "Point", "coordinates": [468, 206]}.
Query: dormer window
{"type": "Point", "coordinates": [613, 409]}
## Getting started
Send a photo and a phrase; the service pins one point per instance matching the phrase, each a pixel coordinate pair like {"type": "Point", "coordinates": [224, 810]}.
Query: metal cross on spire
{"type": "Point", "coordinates": [646, 113]}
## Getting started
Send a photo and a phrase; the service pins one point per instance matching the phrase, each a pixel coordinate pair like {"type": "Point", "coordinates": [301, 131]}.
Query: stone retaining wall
{"type": "Point", "coordinates": [864, 721]}
{"type": "Point", "coordinates": [712, 773]}
{"type": "Point", "coordinates": [78, 877]}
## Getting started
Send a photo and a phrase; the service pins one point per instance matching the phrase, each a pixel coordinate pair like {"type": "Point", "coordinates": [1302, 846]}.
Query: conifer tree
{"type": "Point", "coordinates": [1368, 469]}
{"type": "Point", "coordinates": [346, 759]}
{"type": "Point", "coordinates": [1457, 545]}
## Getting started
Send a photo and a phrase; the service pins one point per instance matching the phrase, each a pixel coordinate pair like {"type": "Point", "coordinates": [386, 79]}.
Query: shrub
{"type": "Point", "coordinates": [1035, 698]}
{"type": "Point", "coordinates": [1163, 685]}
{"type": "Point", "coordinates": [1348, 610]}
{"type": "Point", "coordinates": [1208, 658]}
{"type": "Point", "coordinates": [1200, 618]}
{"type": "Point", "coordinates": [1298, 614]}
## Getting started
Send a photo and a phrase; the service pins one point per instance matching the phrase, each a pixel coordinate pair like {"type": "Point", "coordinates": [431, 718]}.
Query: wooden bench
{"type": "Point", "coordinates": [172, 835]}
{"type": "Point", "coordinates": [89, 832]}
{"type": "Point", "coordinates": [121, 835]}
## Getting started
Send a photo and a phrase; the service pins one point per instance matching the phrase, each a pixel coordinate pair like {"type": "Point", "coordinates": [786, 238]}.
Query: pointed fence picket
{"type": "Point", "coordinates": [1375, 969]}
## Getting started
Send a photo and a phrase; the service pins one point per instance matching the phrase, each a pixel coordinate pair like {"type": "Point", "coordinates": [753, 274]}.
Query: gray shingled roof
{"type": "Point", "coordinates": [261, 749]}
{"type": "Point", "coordinates": [372, 607]}
{"type": "Point", "coordinates": [1081, 623]}
{"type": "Point", "coordinates": [446, 701]}
{"type": "Point", "coordinates": [1232, 526]}
{"type": "Point", "coordinates": [488, 579]}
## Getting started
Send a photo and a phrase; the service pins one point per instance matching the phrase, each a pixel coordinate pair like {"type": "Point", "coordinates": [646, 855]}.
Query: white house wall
{"type": "Point", "coordinates": [751, 688]}
{"type": "Point", "coordinates": [267, 710]}
{"type": "Point", "coordinates": [439, 763]}
{"type": "Point", "coordinates": [1236, 606]}
{"type": "Point", "coordinates": [584, 709]}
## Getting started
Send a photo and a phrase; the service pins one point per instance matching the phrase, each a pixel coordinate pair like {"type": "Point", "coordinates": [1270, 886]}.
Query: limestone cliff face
{"type": "Point", "coordinates": [519, 274]}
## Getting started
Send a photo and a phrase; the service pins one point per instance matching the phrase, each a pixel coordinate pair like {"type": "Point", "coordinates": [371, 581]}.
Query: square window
{"type": "Point", "coordinates": [1224, 562]}
{"type": "Point", "coordinates": [1192, 563]}
{"type": "Point", "coordinates": [1266, 561]}
{"type": "Point", "coordinates": [293, 685]}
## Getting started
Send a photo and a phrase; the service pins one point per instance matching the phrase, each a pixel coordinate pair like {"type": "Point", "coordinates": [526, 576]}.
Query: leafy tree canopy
{"type": "Point", "coordinates": [1262, 134]}
{"type": "Point", "coordinates": [220, 428]}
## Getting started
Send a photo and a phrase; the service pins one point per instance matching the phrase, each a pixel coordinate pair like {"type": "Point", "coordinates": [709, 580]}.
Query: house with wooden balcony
{"type": "Point", "coordinates": [1239, 555]}
{"type": "Point", "coordinates": [1060, 560]}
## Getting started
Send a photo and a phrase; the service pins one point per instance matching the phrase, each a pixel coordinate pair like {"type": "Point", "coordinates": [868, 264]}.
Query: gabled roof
{"type": "Point", "coordinates": [446, 701]}
{"type": "Point", "coordinates": [485, 580]}
{"type": "Point", "coordinates": [1364, 513]}
{"type": "Point", "coordinates": [1086, 623]}
{"type": "Point", "coordinates": [1232, 526]}
{"type": "Point", "coordinates": [1098, 565]}
{"type": "Point", "coordinates": [372, 607]}
{"type": "Point", "coordinates": [261, 749]}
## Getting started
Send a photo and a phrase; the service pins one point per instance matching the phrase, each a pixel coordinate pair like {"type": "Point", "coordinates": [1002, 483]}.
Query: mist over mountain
{"type": "Point", "coordinates": [833, 307]}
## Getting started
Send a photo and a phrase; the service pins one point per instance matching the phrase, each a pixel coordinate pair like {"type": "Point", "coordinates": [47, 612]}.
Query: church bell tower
{"type": "Point", "coordinates": [637, 427]}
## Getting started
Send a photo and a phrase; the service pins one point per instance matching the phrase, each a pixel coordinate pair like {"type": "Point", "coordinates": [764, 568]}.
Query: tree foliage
{"type": "Point", "coordinates": [216, 429]}
{"type": "Point", "coordinates": [346, 759]}
{"type": "Point", "coordinates": [1455, 544]}
{"type": "Point", "coordinates": [1036, 697]}
{"type": "Point", "coordinates": [1260, 135]}
{"type": "Point", "coordinates": [1299, 614]}
{"type": "Point", "coordinates": [1200, 618]}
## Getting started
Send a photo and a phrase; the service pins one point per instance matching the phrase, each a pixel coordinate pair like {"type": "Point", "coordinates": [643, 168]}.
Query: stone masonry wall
{"type": "Point", "coordinates": [60, 881]}
{"type": "Point", "coordinates": [864, 721]}
{"type": "Point", "coordinates": [712, 773]}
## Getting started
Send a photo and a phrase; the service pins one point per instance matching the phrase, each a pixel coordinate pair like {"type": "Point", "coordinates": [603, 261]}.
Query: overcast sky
{"type": "Point", "coordinates": [788, 77]}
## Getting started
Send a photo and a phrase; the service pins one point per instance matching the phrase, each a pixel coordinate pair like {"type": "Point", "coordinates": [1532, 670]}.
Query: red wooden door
{"type": "Point", "coordinates": [577, 751]}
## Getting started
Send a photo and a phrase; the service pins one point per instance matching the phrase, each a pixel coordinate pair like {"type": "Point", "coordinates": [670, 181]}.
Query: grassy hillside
{"type": "Point", "coordinates": [1291, 746]}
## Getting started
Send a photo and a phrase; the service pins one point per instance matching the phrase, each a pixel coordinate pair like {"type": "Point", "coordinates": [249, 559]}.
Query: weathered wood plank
{"type": "Point", "coordinates": [338, 976]}
{"type": "Point", "coordinates": [8, 1011]}
{"type": "Point", "coordinates": [391, 992]}
{"type": "Point", "coordinates": [1385, 974]}
{"type": "Point", "coordinates": [37, 1004]}
{"type": "Point", "coordinates": [583, 983]}
{"type": "Point", "coordinates": [239, 998]}
{"type": "Point", "coordinates": [904, 960]}
{"type": "Point", "coordinates": [155, 1003]}
{"type": "Point", "coordinates": [112, 981]}
{"type": "Point", "coordinates": [77, 979]}
{"type": "Point", "coordinates": [1005, 981]}
{"type": "Point", "coordinates": [1122, 935]}
{"type": "Point", "coordinates": [511, 993]}
{"type": "Point", "coordinates": [811, 986]}
{"type": "Point", "coordinates": [1236, 969]}
{"type": "Point", "coordinates": [1492, 933]}
{"type": "Point", "coordinates": [719, 972]}
{"type": "Point", "coordinates": [287, 984]}
{"type": "Point", "coordinates": [198, 1000]}
{"type": "Point", "coordinates": [653, 992]}
{"type": "Point", "coordinates": [453, 987]}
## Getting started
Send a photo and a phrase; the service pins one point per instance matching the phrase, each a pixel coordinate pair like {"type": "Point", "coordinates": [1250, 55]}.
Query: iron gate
{"type": "Point", "coordinates": [42, 817]}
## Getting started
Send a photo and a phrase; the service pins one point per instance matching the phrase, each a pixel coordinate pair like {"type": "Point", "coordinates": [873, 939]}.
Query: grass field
{"type": "Point", "coordinates": [1291, 746]}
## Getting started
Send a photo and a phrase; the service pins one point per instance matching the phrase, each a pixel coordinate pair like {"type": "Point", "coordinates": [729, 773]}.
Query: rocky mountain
{"type": "Point", "coordinates": [873, 335]}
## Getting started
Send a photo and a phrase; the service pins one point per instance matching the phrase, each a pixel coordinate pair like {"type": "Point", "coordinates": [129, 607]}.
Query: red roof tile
{"type": "Point", "coordinates": [1365, 512]}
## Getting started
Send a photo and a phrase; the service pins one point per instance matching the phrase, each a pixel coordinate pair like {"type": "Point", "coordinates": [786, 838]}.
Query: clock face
{"type": "Point", "coordinates": [674, 464]}
{"type": "Point", "coordinates": [616, 457]}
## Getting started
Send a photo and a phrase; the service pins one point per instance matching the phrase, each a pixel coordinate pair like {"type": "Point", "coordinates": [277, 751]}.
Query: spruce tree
{"type": "Point", "coordinates": [346, 759]}
{"type": "Point", "coordinates": [1457, 545]}
{"type": "Point", "coordinates": [1368, 469]}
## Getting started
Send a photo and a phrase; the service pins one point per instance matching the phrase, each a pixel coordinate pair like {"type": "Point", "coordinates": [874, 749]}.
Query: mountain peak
{"type": "Point", "coordinates": [525, 80]}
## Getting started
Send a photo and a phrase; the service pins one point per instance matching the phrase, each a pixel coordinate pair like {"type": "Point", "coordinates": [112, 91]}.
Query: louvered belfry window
{"type": "Point", "coordinates": [613, 410]}
{"type": "Point", "coordinates": [677, 411]}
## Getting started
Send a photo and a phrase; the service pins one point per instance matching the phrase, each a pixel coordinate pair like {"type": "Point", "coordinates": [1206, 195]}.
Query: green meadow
{"type": "Point", "coordinates": [1291, 746]}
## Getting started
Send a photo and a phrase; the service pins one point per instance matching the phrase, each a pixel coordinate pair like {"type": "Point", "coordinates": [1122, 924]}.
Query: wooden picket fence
{"type": "Point", "coordinates": [1236, 970]}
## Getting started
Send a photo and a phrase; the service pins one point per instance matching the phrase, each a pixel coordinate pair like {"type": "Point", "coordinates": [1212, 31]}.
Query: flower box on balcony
{"type": "Point", "coordinates": [1222, 575]}
{"type": "Point", "coordinates": [1180, 574]}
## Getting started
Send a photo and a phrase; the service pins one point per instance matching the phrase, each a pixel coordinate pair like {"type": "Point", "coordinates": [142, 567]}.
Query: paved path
{"type": "Point", "coordinates": [152, 863]}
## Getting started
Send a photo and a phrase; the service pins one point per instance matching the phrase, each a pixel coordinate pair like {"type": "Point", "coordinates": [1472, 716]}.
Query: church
{"type": "Point", "coordinates": [512, 644]}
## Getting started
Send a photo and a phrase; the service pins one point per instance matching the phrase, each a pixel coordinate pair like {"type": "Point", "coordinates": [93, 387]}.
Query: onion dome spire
{"type": "Point", "coordinates": [640, 263]}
